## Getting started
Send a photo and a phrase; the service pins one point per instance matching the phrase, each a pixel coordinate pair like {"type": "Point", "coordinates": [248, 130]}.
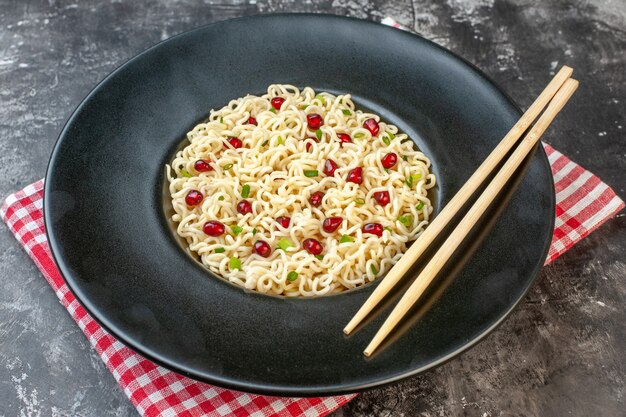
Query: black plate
{"type": "Point", "coordinates": [106, 225]}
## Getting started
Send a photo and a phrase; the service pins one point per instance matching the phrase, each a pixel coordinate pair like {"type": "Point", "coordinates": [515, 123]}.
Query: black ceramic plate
{"type": "Point", "coordinates": [111, 240]}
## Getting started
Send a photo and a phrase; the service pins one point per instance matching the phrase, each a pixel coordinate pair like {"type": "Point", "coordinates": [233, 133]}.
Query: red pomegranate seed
{"type": "Point", "coordinates": [316, 198]}
{"type": "Point", "coordinates": [372, 126]}
{"type": "Point", "coordinates": [373, 228]}
{"type": "Point", "coordinates": [244, 207]}
{"type": "Point", "coordinates": [214, 228]}
{"type": "Point", "coordinates": [262, 248]}
{"type": "Point", "coordinates": [355, 175]}
{"type": "Point", "coordinates": [193, 198]}
{"type": "Point", "coordinates": [277, 102]}
{"type": "Point", "coordinates": [252, 121]}
{"type": "Point", "coordinates": [344, 138]}
{"type": "Point", "coordinates": [202, 165]}
{"type": "Point", "coordinates": [329, 167]}
{"type": "Point", "coordinates": [235, 142]}
{"type": "Point", "coordinates": [389, 160]}
{"type": "Point", "coordinates": [313, 246]}
{"type": "Point", "coordinates": [331, 224]}
{"type": "Point", "coordinates": [283, 221]}
{"type": "Point", "coordinates": [382, 197]}
{"type": "Point", "coordinates": [309, 144]}
{"type": "Point", "coordinates": [314, 121]}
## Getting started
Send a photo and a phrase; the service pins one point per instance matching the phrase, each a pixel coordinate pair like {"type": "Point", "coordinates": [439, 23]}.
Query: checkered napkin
{"type": "Point", "coordinates": [583, 203]}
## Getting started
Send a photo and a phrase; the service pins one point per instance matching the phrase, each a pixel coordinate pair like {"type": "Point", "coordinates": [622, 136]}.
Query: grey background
{"type": "Point", "coordinates": [562, 352]}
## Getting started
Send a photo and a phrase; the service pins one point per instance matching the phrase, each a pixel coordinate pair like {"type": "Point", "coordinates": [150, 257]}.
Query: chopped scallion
{"type": "Point", "coordinates": [359, 135]}
{"type": "Point", "coordinates": [310, 173]}
{"type": "Point", "coordinates": [346, 239]}
{"type": "Point", "coordinates": [419, 206]}
{"type": "Point", "coordinates": [184, 173]}
{"type": "Point", "coordinates": [254, 231]}
{"type": "Point", "coordinates": [386, 140]}
{"type": "Point", "coordinates": [320, 98]}
{"type": "Point", "coordinates": [389, 229]}
{"type": "Point", "coordinates": [406, 158]}
{"type": "Point", "coordinates": [265, 143]}
{"type": "Point", "coordinates": [285, 244]}
{"type": "Point", "coordinates": [219, 250]}
{"type": "Point", "coordinates": [234, 263]}
{"type": "Point", "coordinates": [236, 229]}
{"type": "Point", "coordinates": [374, 270]}
{"type": "Point", "coordinates": [280, 140]}
{"type": "Point", "coordinates": [273, 110]}
{"type": "Point", "coordinates": [391, 135]}
{"type": "Point", "coordinates": [222, 120]}
{"type": "Point", "coordinates": [318, 134]}
{"type": "Point", "coordinates": [245, 191]}
{"type": "Point", "coordinates": [220, 198]}
{"type": "Point", "coordinates": [346, 112]}
{"type": "Point", "coordinates": [227, 167]}
{"type": "Point", "coordinates": [292, 276]}
{"type": "Point", "coordinates": [359, 201]}
{"type": "Point", "coordinates": [406, 220]}
{"type": "Point", "coordinates": [320, 257]}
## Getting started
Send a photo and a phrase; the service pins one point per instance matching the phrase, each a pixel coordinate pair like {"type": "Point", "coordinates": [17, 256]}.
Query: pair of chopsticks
{"type": "Point", "coordinates": [554, 96]}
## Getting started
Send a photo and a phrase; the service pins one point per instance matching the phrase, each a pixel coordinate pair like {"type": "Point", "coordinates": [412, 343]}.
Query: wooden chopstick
{"type": "Point", "coordinates": [469, 220]}
{"type": "Point", "coordinates": [460, 198]}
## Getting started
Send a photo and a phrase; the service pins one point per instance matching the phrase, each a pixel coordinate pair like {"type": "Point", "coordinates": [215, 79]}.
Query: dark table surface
{"type": "Point", "coordinates": [562, 352]}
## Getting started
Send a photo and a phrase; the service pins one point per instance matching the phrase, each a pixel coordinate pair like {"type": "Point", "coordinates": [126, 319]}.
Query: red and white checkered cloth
{"type": "Point", "coordinates": [583, 203]}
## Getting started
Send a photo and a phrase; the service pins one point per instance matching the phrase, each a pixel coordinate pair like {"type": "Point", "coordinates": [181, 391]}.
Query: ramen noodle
{"type": "Point", "coordinates": [298, 193]}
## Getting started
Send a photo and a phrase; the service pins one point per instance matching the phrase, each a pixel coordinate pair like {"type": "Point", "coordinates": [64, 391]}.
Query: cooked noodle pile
{"type": "Point", "coordinates": [272, 169]}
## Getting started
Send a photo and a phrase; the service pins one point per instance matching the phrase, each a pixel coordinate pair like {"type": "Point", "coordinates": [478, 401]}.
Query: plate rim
{"type": "Point", "coordinates": [272, 389]}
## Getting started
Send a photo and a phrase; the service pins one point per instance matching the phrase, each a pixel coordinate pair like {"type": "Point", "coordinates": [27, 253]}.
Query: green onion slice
{"type": "Point", "coordinates": [320, 257]}
{"type": "Point", "coordinates": [236, 229]}
{"type": "Point", "coordinates": [419, 206]}
{"type": "Point", "coordinates": [220, 198]}
{"type": "Point", "coordinates": [359, 201]}
{"type": "Point", "coordinates": [318, 134]}
{"type": "Point", "coordinates": [280, 140]}
{"type": "Point", "coordinates": [359, 135]}
{"type": "Point", "coordinates": [386, 140]}
{"type": "Point", "coordinates": [292, 276]}
{"type": "Point", "coordinates": [219, 250]}
{"type": "Point", "coordinates": [310, 173]}
{"type": "Point", "coordinates": [227, 167]}
{"type": "Point", "coordinates": [346, 112]}
{"type": "Point", "coordinates": [406, 220]}
{"type": "Point", "coordinates": [346, 239]}
{"type": "Point", "coordinates": [285, 244]}
{"type": "Point", "coordinates": [234, 263]}
{"type": "Point", "coordinates": [391, 135]}
{"type": "Point", "coordinates": [273, 110]}
{"type": "Point", "coordinates": [254, 231]}
{"type": "Point", "coordinates": [265, 143]}
{"type": "Point", "coordinates": [374, 270]}
{"type": "Point", "coordinates": [245, 191]}
{"type": "Point", "coordinates": [184, 173]}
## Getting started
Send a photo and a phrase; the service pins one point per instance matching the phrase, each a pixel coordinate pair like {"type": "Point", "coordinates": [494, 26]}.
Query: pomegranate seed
{"type": "Point", "coordinates": [244, 207]}
{"type": "Point", "coordinates": [373, 228]}
{"type": "Point", "coordinates": [309, 144]}
{"type": "Point", "coordinates": [277, 102]}
{"type": "Point", "coordinates": [355, 175]}
{"type": "Point", "coordinates": [329, 167]}
{"type": "Point", "coordinates": [382, 197]}
{"type": "Point", "coordinates": [314, 121]}
{"type": "Point", "coordinates": [202, 165]}
{"type": "Point", "coordinates": [313, 246]}
{"type": "Point", "coordinates": [235, 142]}
{"type": "Point", "coordinates": [331, 224]}
{"type": "Point", "coordinates": [193, 198]}
{"type": "Point", "coordinates": [389, 160]}
{"type": "Point", "coordinates": [252, 121]}
{"type": "Point", "coordinates": [262, 248]}
{"type": "Point", "coordinates": [316, 198]}
{"type": "Point", "coordinates": [214, 228]}
{"type": "Point", "coordinates": [344, 138]}
{"type": "Point", "coordinates": [283, 221]}
{"type": "Point", "coordinates": [372, 126]}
